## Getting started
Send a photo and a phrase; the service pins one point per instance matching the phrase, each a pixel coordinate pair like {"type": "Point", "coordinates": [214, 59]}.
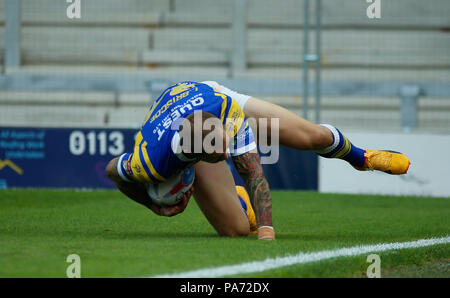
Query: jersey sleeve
{"type": "Point", "coordinates": [124, 168]}
{"type": "Point", "coordinates": [238, 129]}
{"type": "Point", "coordinates": [244, 141]}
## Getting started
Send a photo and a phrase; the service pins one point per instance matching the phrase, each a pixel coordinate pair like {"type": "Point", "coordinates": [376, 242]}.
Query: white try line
{"type": "Point", "coordinates": [302, 258]}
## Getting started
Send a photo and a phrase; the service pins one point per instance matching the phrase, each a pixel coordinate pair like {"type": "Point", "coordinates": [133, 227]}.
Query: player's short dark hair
{"type": "Point", "coordinates": [193, 127]}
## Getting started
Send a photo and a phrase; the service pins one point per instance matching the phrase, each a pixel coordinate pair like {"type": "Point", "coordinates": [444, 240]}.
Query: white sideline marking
{"type": "Point", "coordinates": [302, 258]}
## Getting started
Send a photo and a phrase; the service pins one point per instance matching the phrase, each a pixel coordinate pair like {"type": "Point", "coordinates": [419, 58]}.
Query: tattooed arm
{"type": "Point", "coordinates": [249, 167]}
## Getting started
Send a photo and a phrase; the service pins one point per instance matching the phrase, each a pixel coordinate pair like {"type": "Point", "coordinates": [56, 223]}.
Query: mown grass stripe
{"type": "Point", "coordinates": [303, 258]}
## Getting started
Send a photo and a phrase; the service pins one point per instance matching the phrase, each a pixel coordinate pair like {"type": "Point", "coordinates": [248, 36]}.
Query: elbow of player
{"type": "Point", "coordinates": [111, 170]}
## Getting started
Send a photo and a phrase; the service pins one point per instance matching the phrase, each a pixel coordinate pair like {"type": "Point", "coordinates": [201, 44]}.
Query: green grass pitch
{"type": "Point", "coordinates": [116, 237]}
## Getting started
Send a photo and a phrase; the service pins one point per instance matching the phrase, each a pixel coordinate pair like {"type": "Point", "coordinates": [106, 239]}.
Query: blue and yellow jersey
{"type": "Point", "coordinates": [154, 158]}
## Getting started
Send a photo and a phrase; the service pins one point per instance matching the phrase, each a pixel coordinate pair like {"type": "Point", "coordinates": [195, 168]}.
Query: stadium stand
{"type": "Point", "coordinates": [164, 39]}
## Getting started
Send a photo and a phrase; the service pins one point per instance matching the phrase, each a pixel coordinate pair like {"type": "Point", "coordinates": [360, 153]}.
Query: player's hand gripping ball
{"type": "Point", "coordinates": [173, 190]}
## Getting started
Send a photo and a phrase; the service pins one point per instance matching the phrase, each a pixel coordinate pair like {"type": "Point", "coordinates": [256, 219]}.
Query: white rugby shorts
{"type": "Point", "coordinates": [241, 99]}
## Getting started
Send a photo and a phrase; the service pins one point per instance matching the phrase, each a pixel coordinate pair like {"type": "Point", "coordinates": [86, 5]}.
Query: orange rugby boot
{"type": "Point", "coordinates": [387, 161]}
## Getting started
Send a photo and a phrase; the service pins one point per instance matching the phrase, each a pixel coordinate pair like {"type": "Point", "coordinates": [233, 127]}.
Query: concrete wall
{"type": "Point", "coordinates": [428, 175]}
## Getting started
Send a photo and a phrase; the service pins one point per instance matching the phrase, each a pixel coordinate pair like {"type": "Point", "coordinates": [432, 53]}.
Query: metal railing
{"type": "Point", "coordinates": [409, 92]}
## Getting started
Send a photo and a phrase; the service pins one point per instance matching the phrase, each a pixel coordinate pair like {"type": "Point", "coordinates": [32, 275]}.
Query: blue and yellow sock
{"type": "Point", "coordinates": [342, 148]}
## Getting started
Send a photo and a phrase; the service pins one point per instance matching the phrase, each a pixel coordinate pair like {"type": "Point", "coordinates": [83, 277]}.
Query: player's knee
{"type": "Point", "coordinates": [320, 138]}
{"type": "Point", "coordinates": [236, 231]}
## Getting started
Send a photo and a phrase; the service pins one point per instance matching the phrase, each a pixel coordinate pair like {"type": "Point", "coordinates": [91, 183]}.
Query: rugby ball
{"type": "Point", "coordinates": [171, 191]}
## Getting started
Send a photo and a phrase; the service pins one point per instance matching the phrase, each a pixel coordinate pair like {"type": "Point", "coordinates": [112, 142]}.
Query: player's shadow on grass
{"type": "Point", "coordinates": [131, 235]}
{"type": "Point", "coordinates": [153, 234]}
{"type": "Point", "coordinates": [111, 234]}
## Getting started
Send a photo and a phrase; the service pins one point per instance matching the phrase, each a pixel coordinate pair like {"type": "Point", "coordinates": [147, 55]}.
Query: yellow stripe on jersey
{"type": "Point", "coordinates": [149, 163]}
{"type": "Point", "coordinates": [137, 166]}
{"type": "Point", "coordinates": [234, 119]}
{"type": "Point", "coordinates": [138, 139]}
{"type": "Point", "coordinates": [138, 169]}
{"type": "Point", "coordinates": [224, 105]}
{"type": "Point", "coordinates": [180, 88]}
{"type": "Point", "coordinates": [235, 116]}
